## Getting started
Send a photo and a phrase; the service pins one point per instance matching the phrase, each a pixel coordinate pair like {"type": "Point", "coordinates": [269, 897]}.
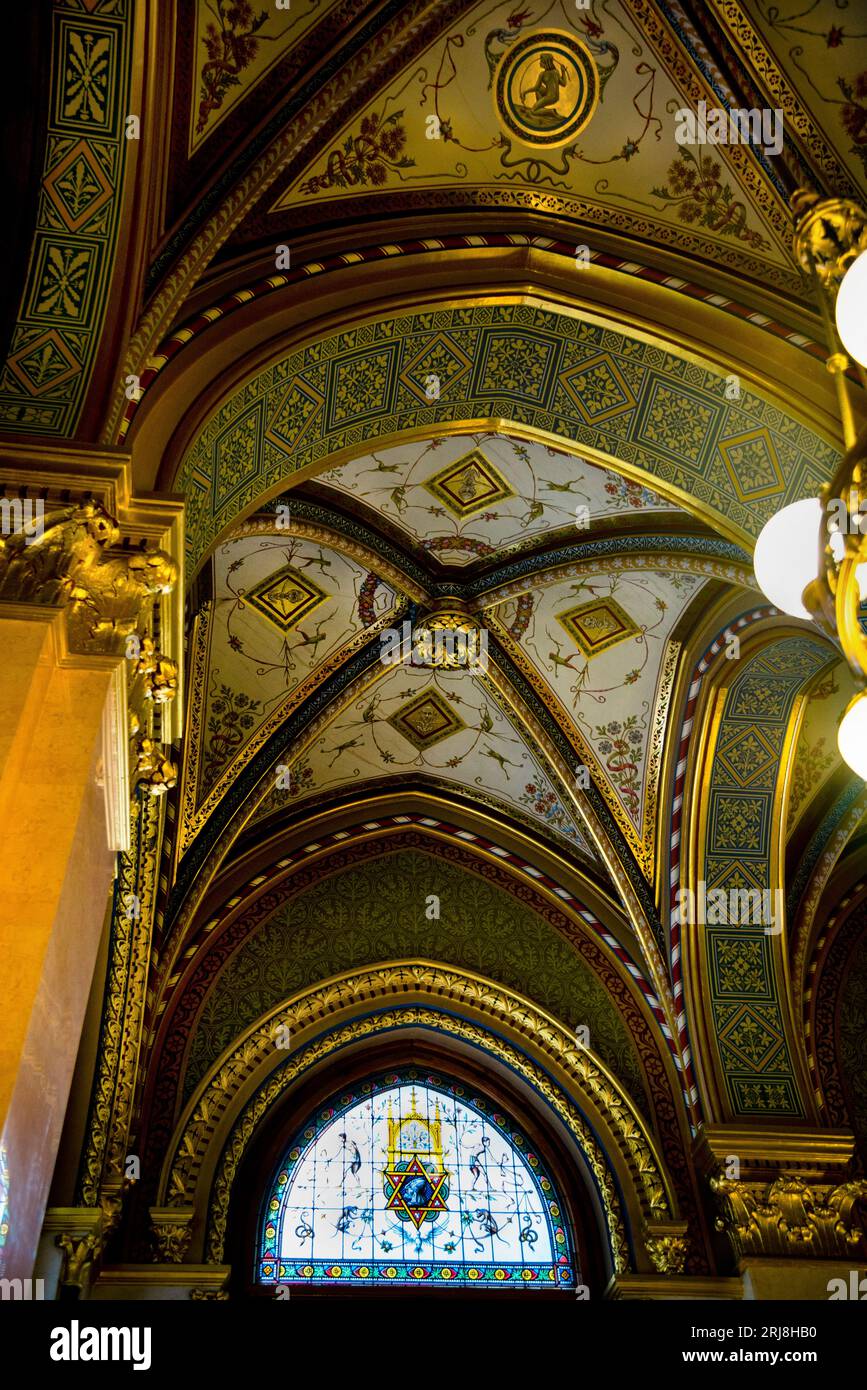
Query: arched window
{"type": "Point", "coordinates": [409, 1178]}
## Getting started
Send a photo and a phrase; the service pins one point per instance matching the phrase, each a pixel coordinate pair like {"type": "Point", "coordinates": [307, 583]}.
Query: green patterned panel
{"type": "Point", "coordinates": [851, 1013]}
{"type": "Point", "coordinates": [63, 306]}
{"type": "Point", "coordinates": [374, 912]}
{"type": "Point", "coordinates": [542, 370]}
{"type": "Point", "coordinates": [745, 986]}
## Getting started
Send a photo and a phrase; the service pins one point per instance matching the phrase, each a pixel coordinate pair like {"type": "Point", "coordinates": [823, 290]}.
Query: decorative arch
{"type": "Point", "coordinates": [532, 368]}
{"type": "Point", "coordinates": [735, 970]}
{"type": "Point", "coordinates": [367, 901]}
{"type": "Point", "coordinates": [634, 1186]}
{"type": "Point", "coordinates": [557, 919]}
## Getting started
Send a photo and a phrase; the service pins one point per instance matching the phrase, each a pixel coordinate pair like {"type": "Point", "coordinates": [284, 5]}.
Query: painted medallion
{"type": "Point", "coordinates": [546, 88]}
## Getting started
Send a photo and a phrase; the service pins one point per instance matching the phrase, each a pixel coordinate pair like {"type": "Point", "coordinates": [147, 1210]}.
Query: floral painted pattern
{"type": "Point", "coordinates": [618, 741]}
{"type": "Point", "coordinates": [811, 764]}
{"type": "Point", "coordinates": [625, 492]}
{"type": "Point", "coordinates": [543, 802]}
{"type": "Point", "coordinates": [696, 188]}
{"type": "Point", "coordinates": [230, 49]}
{"type": "Point", "coordinates": [231, 717]}
{"type": "Point", "coordinates": [854, 114]}
{"type": "Point", "coordinates": [365, 159]}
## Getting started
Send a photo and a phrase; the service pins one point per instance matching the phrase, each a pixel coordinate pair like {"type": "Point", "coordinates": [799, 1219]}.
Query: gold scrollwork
{"type": "Point", "coordinates": [152, 767]}
{"type": "Point", "coordinates": [132, 924]}
{"type": "Point", "coordinates": [158, 673]}
{"type": "Point", "coordinates": [67, 561]}
{"type": "Point", "coordinates": [830, 233]}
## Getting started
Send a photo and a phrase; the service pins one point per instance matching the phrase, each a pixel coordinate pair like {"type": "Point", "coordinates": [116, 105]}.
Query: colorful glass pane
{"type": "Point", "coordinates": [410, 1178]}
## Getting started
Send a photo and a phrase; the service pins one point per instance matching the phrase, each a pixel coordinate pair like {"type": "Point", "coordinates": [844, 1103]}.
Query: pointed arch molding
{"type": "Point", "coordinates": [526, 367]}
{"type": "Point", "coordinates": [633, 1187]}
{"type": "Point", "coordinates": [737, 984]}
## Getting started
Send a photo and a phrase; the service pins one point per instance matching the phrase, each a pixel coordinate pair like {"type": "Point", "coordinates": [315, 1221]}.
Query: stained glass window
{"type": "Point", "coordinates": [412, 1177]}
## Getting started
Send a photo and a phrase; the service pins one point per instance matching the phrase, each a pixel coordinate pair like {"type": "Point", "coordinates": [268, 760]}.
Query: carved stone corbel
{"type": "Point", "coordinates": [172, 1231]}
{"type": "Point", "coordinates": [667, 1245]}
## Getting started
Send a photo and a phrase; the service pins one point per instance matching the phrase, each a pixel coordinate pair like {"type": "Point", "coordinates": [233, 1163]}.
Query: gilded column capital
{"type": "Point", "coordinates": [82, 1234]}
{"type": "Point", "coordinates": [791, 1217]}
{"type": "Point", "coordinates": [74, 536]}
{"type": "Point", "coordinates": [65, 557]}
{"type": "Point", "coordinates": [75, 533]}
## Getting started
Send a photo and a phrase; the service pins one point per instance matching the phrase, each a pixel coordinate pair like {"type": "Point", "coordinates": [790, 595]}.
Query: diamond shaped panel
{"type": "Point", "coordinates": [285, 598]}
{"type": "Point", "coordinates": [470, 485]}
{"type": "Point", "coordinates": [426, 719]}
{"type": "Point", "coordinates": [596, 626]}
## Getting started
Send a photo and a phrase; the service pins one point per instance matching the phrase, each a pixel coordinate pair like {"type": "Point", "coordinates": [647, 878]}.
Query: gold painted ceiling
{"type": "Point", "coordinates": [416, 129]}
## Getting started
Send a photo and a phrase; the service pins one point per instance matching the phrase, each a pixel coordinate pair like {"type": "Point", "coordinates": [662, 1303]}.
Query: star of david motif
{"type": "Point", "coordinates": [414, 1193]}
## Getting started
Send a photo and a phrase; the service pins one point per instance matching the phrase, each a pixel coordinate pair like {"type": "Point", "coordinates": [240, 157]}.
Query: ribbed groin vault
{"type": "Point", "coordinates": [442, 879]}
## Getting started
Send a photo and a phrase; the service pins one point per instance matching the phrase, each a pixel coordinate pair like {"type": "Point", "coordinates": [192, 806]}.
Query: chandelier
{"type": "Point", "coordinates": [811, 557]}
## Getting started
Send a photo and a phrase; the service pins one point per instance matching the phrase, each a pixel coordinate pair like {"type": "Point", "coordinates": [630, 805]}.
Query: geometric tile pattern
{"type": "Point", "coordinates": [240, 445]}
{"type": "Point", "coordinates": [548, 372]}
{"type": "Point", "coordinates": [597, 625]}
{"type": "Point", "coordinates": [599, 390]}
{"type": "Point", "coordinates": [744, 986]}
{"type": "Point", "coordinates": [65, 296]}
{"type": "Point", "coordinates": [751, 462]}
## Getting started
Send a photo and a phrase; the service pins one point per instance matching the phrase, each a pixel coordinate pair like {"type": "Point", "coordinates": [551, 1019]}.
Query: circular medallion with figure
{"type": "Point", "coordinates": [546, 88]}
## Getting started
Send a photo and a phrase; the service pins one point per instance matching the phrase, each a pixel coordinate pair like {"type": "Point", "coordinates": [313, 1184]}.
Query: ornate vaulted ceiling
{"type": "Point", "coordinates": [586, 586]}
{"type": "Point", "coordinates": [338, 129]}
{"type": "Point", "coordinates": [405, 366]}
